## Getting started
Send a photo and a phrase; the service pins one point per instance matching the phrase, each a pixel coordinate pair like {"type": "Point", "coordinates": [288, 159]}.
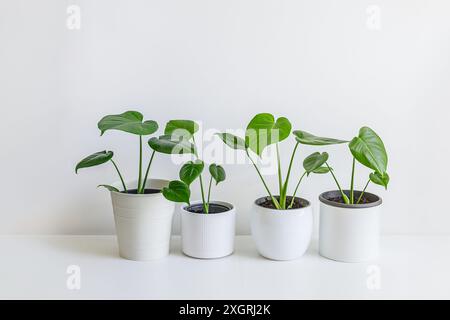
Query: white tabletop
{"type": "Point", "coordinates": [36, 268]}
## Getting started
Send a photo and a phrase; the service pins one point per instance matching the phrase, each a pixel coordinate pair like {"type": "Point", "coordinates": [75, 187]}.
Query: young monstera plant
{"type": "Point", "coordinates": [264, 130]}
{"type": "Point", "coordinates": [132, 122]}
{"type": "Point", "coordinates": [183, 131]}
{"type": "Point", "coordinates": [368, 149]}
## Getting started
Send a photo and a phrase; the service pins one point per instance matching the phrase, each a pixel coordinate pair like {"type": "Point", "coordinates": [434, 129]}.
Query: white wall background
{"type": "Point", "coordinates": [316, 62]}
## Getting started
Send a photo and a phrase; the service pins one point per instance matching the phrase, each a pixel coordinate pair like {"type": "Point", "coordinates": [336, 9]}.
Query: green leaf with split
{"type": "Point", "coordinates": [129, 121]}
{"type": "Point", "coordinates": [190, 171]}
{"type": "Point", "coordinates": [177, 191]}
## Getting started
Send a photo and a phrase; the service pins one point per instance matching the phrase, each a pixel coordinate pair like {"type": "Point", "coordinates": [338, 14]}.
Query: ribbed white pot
{"type": "Point", "coordinates": [281, 234]}
{"type": "Point", "coordinates": [143, 222]}
{"type": "Point", "coordinates": [349, 233]}
{"type": "Point", "coordinates": [208, 236]}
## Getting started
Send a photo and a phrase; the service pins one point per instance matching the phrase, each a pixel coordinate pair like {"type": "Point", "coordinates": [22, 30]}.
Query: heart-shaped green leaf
{"type": "Point", "coordinates": [380, 179]}
{"type": "Point", "coordinates": [94, 159]}
{"type": "Point", "coordinates": [190, 171]}
{"type": "Point", "coordinates": [232, 141]}
{"type": "Point", "coordinates": [314, 161]}
{"type": "Point", "coordinates": [171, 145]}
{"type": "Point", "coordinates": [110, 188]}
{"type": "Point", "coordinates": [177, 191]}
{"type": "Point", "coordinates": [321, 170]}
{"type": "Point", "coordinates": [129, 121]}
{"type": "Point", "coordinates": [369, 150]}
{"type": "Point", "coordinates": [263, 130]}
{"type": "Point", "coordinates": [304, 137]}
{"type": "Point", "coordinates": [217, 172]}
{"type": "Point", "coordinates": [184, 128]}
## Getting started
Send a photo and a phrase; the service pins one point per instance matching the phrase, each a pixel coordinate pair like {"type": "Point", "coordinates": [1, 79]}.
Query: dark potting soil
{"type": "Point", "coordinates": [341, 200]}
{"type": "Point", "coordinates": [269, 204]}
{"type": "Point", "coordinates": [213, 208]}
{"type": "Point", "coordinates": [146, 191]}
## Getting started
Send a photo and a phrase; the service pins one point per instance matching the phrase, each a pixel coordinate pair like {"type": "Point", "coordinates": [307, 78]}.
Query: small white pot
{"type": "Point", "coordinates": [208, 236]}
{"type": "Point", "coordinates": [349, 233]}
{"type": "Point", "coordinates": [143, 222]}
{"type": "Point", "coordinates": [281, 234]}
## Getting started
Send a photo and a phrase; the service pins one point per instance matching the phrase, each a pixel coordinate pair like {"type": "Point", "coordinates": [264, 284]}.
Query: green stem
{"type": "Point", "coordinates": [140, 166]}
{"type": "Point", "coordinates": [120, 176]}
{"type": "Point", "coordinates": [338, 185]}
{"type": "Point", "coordinates": [286, 182]}
{"type": "Point", "coordinates": [147, 171]}
{"type": "Point", "coordinates": [360, 196]}
{"type": "Point", "coordinates": [209, 190]}
{"type": "Point", "coordinates": [280, 178]}
{"type": "Point", "coordinates": [275, 202]}
{"type": "Point", "coordinates": [295, 191]}
{"type": "Point", "coordinates": [352, 196]}
{"type": "Point", "coordinates": [205, 206]}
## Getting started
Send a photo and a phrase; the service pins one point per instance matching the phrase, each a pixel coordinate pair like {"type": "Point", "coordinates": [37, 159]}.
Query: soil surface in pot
{"type": "Point", "coordinates": [341, 200]}
{"type": "Point", "coordinates": [269, 204]}
{"type": "Point", "coordinates": [213, 208]}
{"type": "Point", "coordinates": [146, 191]}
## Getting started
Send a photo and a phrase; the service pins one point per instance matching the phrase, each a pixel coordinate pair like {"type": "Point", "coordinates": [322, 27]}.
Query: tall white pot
{"type": "Point", "coordinates": [208, 236]}
{"type": "Point", "coordinates": [349, 233]}
{"type": "Point", "coordinates": [281, 234]}
{"type": "Point", "coordinates": [143, 222]}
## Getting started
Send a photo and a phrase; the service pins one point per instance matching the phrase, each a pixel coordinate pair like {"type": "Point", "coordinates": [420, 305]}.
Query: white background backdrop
{"type": "Point", "coordinates": [323, 64]}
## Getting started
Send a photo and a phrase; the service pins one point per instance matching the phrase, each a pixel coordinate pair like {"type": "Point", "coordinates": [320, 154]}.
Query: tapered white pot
{"type": "Point", "coordinates": [143, 221]}
{"type": "Point", "coordinates": [281, 234]}
{"type": "Point", "coordinates": [349, 233]}
{"type": "Point", "coordinates": [208, 235]}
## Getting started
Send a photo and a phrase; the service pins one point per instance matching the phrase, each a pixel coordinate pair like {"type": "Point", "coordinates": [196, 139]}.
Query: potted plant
{"type": "Point", "coordinates": [207, 226]}
{"type": "Point", "coordinates": [281, 224]}
{"type": "Point", "coordinates": [349, 219]}
{"type": "Point", "coordinates": [143, 217]}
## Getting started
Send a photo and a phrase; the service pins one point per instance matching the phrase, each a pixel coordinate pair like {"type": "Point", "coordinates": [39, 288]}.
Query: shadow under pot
{"type": "Point", "coordinates": [281, 234]}
{"type": "Point", "coordinates": [143, 221]}
{"type": "Point", "coordinates": [349, 232]}
{"type": "Point", "coordinates": [208, 235]}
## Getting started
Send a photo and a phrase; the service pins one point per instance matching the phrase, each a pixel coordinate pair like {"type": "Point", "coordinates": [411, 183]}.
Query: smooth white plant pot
{"type": "Point", "coordinates": [281, 234]}
{"type": "Point", "coordinates": [349, 233]}
{"type": "Point", "coordinates": [143, 221]}
{"type": "Point", "coordinates": [208, 236]}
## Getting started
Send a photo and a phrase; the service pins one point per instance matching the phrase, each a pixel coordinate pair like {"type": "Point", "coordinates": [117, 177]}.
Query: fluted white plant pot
{"type": "Point", "coordinates": [208, 236]}
{"type": "Point", "coordinates": [281, 234]}
{"type": "Point", "coordinates": [349, 233]}
{"type": "Point", "coordinates": [143, 221]}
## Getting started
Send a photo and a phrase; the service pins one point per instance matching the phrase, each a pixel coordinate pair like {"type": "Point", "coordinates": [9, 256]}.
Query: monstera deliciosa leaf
{"type": "Point", "coordinates": [177, 191]}
{"type": "Point", "coordinates": [217, 173]}
{"type": "Point", "coordinates": [183, 128]}
{"type": "Point", "coordinates": [232, 141]}
{"type": "Point", "coordinates": [304, 137]}
{"type": "Point", "coordinates": [190, 171]}
{"type": "Point", "coordinates": [314, 162]}
{"type": "Point", "coordinates": [380, 179]}
{"type": "Point", "coordinates": [369, 150]}
{"type": "Point", "coordinates": [171, 145]}
{"type": "Point", "coordinates": [129, 121]}
{"type": "Point", "coordinates": [263, 130]}
{"type": "Point", "coordinates": [94, 159]}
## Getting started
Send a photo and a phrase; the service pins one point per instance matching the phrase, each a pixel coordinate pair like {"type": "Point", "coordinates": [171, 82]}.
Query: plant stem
{"type": "Point", "coordinates": [140, 166]}
{"type": "Point", "coordinates": [209, 190]}
{"type": "Point", "coordinates": [295, 191]}
{"type": "Point", "coordinates": [280, 179]}
{"type": "Point", "coordinates": [286, 182]}
{"type": "Point", "coordinates": [205, 206]}
{"type": "Point", "coordinates": [338, 185]}
{"type": "Point", "coordinates": [147, 171]}
{"type": "Point", "coordinates": [352, 196]}
{"type": "Point", "coordinates": [360, 196]}
{"type": "Point", "coordinates": [275, 202]}
{"type": "Point", "coordinates": [120, 176]}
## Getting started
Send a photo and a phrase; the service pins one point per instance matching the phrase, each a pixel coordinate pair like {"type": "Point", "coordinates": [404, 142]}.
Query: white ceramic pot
{"type": "Point", "coordinates": [208, 236]}
{"type": "Point", "coordinates": [349, 233]}
{"type": "Point", "coordinates": [281, 234]}
{"type": "Point", "coordinates": [143, 222]}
